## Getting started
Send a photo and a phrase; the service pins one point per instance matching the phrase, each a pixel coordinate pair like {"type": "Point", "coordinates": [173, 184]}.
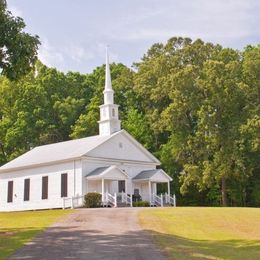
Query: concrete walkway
{"type": "Point", "coordinates": [93, 234]}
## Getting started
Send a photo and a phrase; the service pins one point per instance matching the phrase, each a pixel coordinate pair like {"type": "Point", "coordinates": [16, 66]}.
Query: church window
{"type": "Point", "coordinates": [64, 185]}
{"type": "Point", "coordinates": [26, 194]}
{"type": "Point", "coordinates": [10, 191]}
{"type": "Point", "coordinates": [113, 112]}
{"type": "Point", "coordinates": [45, 187]}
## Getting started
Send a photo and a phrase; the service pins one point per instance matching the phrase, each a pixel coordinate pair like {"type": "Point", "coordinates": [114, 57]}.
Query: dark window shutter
{"type": "Point", "coordinates": [26, 194]}
{"type": "Point", "coordinates": [10, 191]}
{"type": "Point", "coordinates": [45, 187]}
{"type": "Point", "coordinates": [64, 185]}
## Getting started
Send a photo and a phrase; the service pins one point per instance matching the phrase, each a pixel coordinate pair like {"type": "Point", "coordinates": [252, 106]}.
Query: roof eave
{"type": "Point", "coordinates": [2, 171]}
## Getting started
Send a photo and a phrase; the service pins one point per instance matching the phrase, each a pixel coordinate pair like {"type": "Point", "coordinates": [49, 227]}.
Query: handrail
{"type": "Point", "coordinates": [172, 200]}
{"type": "Point", "coordinates": [74, 202]}
{"type": "Point", "coordinates": [157, 200]}
{"type": "Point", "coordinates": [78, 201]}
{"type": "Point", "coordinates": [64, 203]}
{"type": "Point", "coordinates": [127, 199]}
{"type": "Point", "coordinates": [109, 198]}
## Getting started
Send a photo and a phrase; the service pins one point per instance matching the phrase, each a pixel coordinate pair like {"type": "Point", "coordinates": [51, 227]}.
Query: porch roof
{"type": "Point", "coordinates": [109, 172]}
{"type": "Point", "coordinates": [156, 175]}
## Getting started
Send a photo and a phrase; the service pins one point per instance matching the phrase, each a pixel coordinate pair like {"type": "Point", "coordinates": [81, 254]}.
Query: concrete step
{"type": "Point", "coordinates": [122, 204]}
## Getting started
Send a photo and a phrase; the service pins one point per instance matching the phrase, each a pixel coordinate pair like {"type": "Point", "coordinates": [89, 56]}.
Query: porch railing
{"type": "Point", "coordinates": [156, 200]}
{"type": "Point", "coordinates": [73, 202]}
{"type": "Point", "coordinates": [127, 199]}
{"type": "Point", "coordinates": [171, 200]}
{"type": "Point", "coordinates": [110, 199]}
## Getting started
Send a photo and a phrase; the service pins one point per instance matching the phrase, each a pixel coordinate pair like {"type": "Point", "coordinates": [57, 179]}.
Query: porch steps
{"type": "Point", "coordinates": [122, 204]}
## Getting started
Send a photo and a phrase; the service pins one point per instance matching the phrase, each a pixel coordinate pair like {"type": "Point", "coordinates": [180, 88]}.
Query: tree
{"type": "Point", "coordinates": [18, 50]}
{"type": "Point", "coordinates": [196, 100]}
{"type": "Point", "coordinates": [136, 124]}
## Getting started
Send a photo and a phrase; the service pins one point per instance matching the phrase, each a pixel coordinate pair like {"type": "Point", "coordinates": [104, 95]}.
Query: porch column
{"type": "Point", "coordinates": [150, 192]}
{"type": "Point", "coordinates": [154, 188]}
{"type": "Point", "coordinates": [126, 183]}
{"type": "Point", "coordinates": [102, 190]}
{"type": "Point", "coordinates": [131, 192]}
{"type": "Point", "coordinates": [169, 191]}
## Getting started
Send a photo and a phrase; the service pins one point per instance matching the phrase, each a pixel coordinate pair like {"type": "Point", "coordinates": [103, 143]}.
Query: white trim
{"type": "Point", "coordinates": [151, 178]}
{"type": "Point", "coordinates": [38, 165]}
{"type": "Point", "coordinates": [154, 161]}
{"type": "Point", "coordinates": [119, 161]}
{"type": "Point", "coordinates": [141, 147]}
{"type": "Point", "coordinates": [137, 144]}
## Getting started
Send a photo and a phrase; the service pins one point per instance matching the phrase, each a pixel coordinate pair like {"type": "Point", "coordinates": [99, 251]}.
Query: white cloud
{"type": "Point", "coordinates": [78, 53]}
{"type": "Point", "coordinates": [220, 21]}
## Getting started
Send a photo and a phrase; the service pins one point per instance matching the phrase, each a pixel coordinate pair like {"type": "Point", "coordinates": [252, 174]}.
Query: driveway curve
{"type": "Point", "coordinates": [107, 233]}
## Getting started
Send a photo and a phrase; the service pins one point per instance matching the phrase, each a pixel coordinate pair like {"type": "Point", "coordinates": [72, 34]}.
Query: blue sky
{"type": "Point", "coordinates": [74, 33]}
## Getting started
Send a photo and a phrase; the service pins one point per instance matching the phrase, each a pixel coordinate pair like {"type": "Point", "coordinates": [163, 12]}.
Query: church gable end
{"type": "Point", "coordinates": [123, 146]}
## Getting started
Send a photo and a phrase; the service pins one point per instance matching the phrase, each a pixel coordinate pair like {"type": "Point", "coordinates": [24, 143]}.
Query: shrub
{"type": "Point", "coordinates": [141, 204]}
{"type": "Point", "coordinates": [92, 200]}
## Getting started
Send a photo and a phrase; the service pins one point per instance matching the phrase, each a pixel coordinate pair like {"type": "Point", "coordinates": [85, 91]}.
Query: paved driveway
{"type": "Point", "coordinates": [93, 234]}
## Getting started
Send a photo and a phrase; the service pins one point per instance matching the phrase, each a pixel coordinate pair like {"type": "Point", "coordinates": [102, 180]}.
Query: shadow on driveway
{"type": "Point", "coordinates": [93, 234]}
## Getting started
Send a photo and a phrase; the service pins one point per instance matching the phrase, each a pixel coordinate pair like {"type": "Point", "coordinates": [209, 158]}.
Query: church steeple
{"type": "Point", "coordinates": [109, 122]}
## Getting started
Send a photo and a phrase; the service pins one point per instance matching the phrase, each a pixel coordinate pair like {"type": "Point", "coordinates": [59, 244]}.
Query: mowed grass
{"type": "Point", "coordinates": [17, 228]}
{"type": "Point", "coordinates": [205, 233]}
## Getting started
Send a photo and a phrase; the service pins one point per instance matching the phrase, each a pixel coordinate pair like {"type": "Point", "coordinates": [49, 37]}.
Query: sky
{"type": "Point", "coordinates": [74, 33]}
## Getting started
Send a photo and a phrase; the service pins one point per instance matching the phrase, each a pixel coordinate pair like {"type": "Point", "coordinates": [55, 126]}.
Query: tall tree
{"type": "Point", "coordinates": [18, 49]}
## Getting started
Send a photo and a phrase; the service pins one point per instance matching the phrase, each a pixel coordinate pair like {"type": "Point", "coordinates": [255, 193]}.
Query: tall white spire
{"type": "Point", "coordinates": [109, 122]}
{"type": "Point", "coordinates": [108, 84]}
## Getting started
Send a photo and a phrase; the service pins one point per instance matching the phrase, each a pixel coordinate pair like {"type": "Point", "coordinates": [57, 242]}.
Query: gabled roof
{"type": "Point", "coordinates": [66, 151]}
{"type": "Point", "coordinates": [144, 175]}
{"type": "Point", "coordinates": [149, 174]}
{"type": "Point", "coordinates": [56, 152]}
{"type": "Point", "coordinates": [110, 172]}
{"type": "Point", "coordinates": [97, 171]}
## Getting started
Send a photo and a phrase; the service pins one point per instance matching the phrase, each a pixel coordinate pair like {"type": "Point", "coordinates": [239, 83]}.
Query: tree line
{"type": "Point", "coordinates": [195, 105]}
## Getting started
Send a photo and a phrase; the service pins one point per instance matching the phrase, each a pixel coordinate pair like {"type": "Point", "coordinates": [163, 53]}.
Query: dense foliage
{"type": "Point", "coordinates": [18, 49]}
{"type": "Point", "coordinates": [195, 105]}
{"type": "Point", "coordinates": [92, 200]}
{"type": "Point", "coordinates": [141, 204]}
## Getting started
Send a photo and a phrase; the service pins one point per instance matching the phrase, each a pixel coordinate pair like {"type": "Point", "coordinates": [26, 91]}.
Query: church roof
{"type": "Point", "coordinates": [149, 174]}
{"type": "Point", "coordinates": [110, 172]}
{"type": "Point", "coordinates": [144, 175]}
{"type": "Point", "coordinates": [66, 151]}
{"type": "Point", "coordinates": [56, 152]}
{"type": "Point", "coordinates": [97, 171]}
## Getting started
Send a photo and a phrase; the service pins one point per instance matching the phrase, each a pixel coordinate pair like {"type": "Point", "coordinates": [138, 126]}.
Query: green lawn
{"type": "Point", "coordinates": [17, 228]}
{"type": "Point", "coordinates": [205, 233]}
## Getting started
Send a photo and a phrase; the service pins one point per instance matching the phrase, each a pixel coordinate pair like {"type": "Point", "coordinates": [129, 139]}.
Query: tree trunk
{"type": "Point", "coordinates": [224, 192]}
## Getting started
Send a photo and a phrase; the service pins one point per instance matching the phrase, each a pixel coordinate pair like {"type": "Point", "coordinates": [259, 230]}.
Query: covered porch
{"type": "Point", "coordinates": [145, 184]}
{"type": "Point", "coordinates": [109, 182]}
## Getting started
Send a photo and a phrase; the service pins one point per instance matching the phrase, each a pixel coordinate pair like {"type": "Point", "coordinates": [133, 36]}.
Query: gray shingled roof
{"type": "Point", "coordinates": [97, 171]}
{"type": "Point", "coordinates": [144, 175]}
{"type": "Point", "coordinates": [56, 152]}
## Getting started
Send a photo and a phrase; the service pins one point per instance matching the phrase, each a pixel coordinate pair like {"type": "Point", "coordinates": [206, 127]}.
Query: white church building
{"type": "Point", "coordinates": [112, 163]}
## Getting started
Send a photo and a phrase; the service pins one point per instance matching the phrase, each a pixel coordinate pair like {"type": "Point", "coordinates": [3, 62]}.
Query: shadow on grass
{"type": "Point", "coordinates": [182, 248]}
{"type": "Point", "coordinates": [12, 239]}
